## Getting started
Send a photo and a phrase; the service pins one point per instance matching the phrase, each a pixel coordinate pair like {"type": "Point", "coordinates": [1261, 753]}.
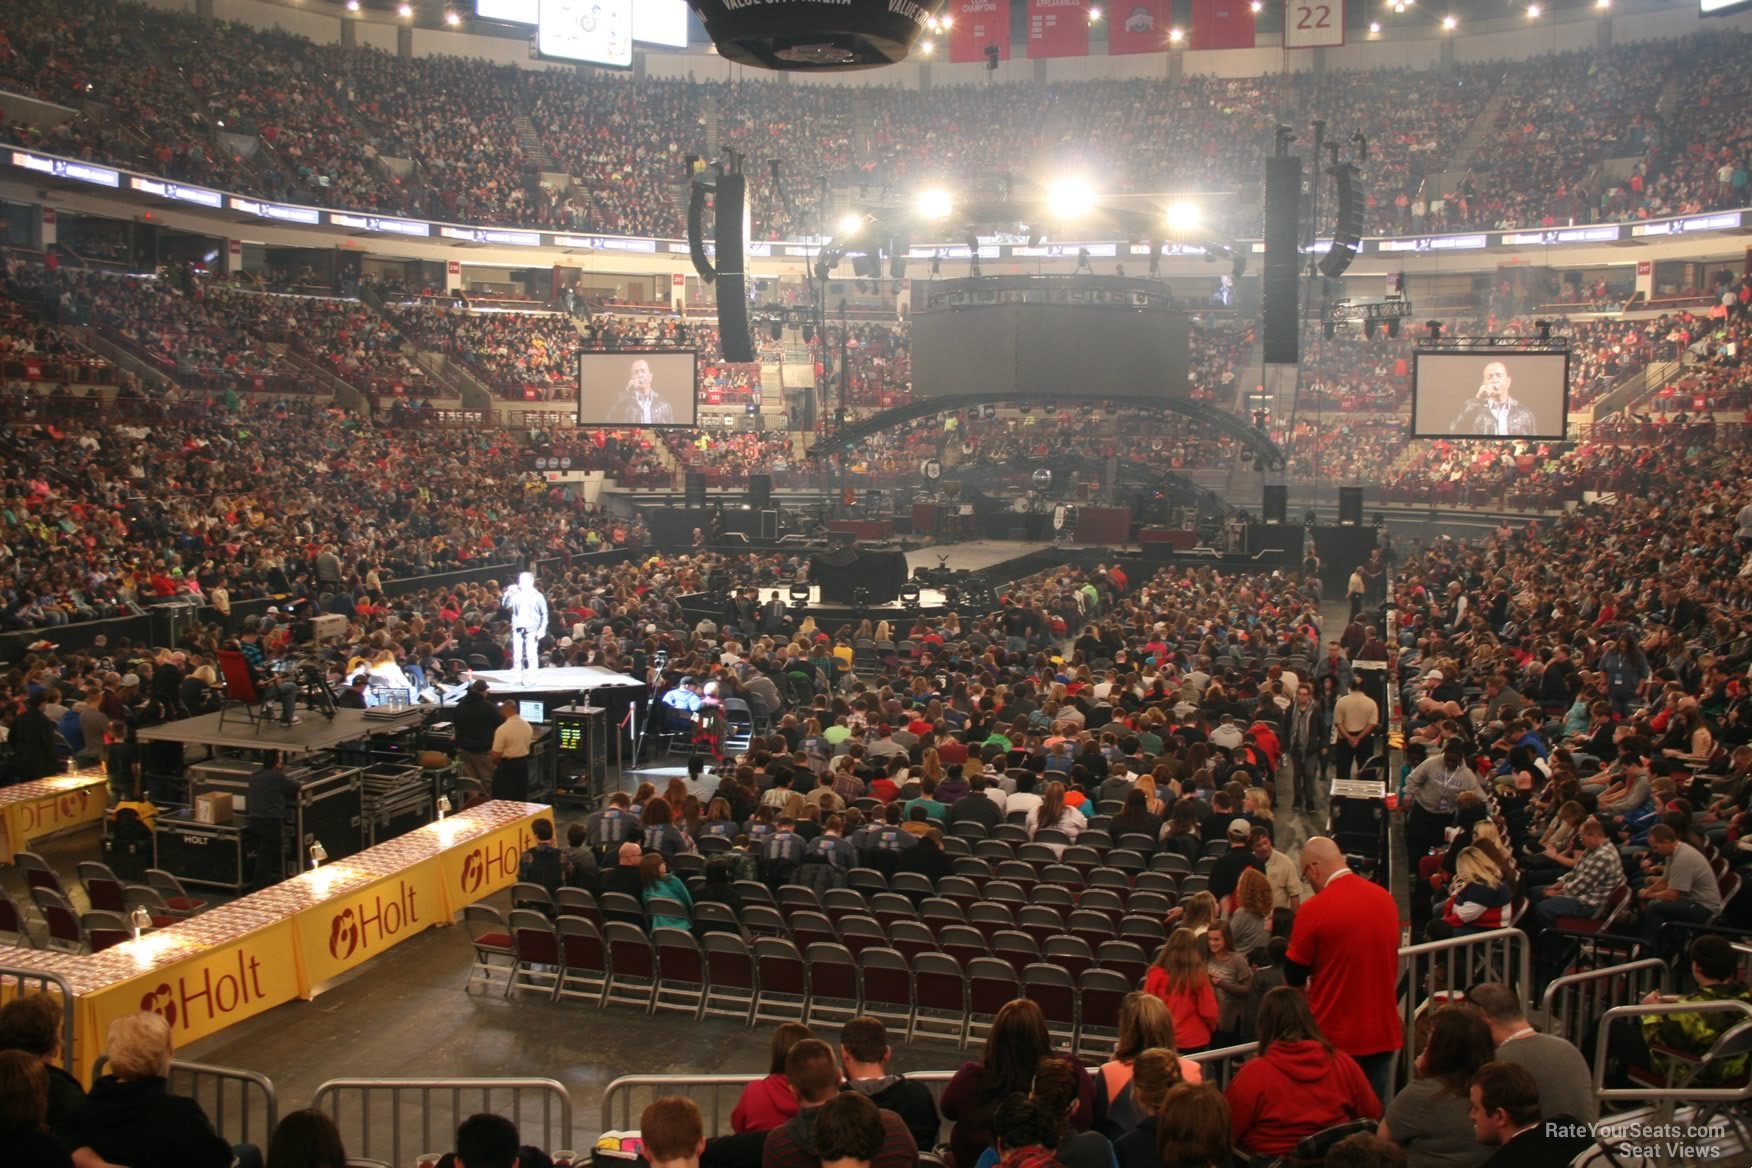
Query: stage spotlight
{"type": "Point", "coordinates": [1374, 28]}
{"type": "Point", "coordinates": [799, 592]}
{"type": "Point", "coordinates": [808, 333]}
{"type": "Point", "coordinates": [1094, 16]}
{"type": "Point", "coordinates": [1450, 23]}
{"type": "Point", "coordinates": [935, 203]}
{"type": "Point", "coordinates": [850, 226]}
{"type": "Point", "coordinates": [452, 19]}
{"type": "Point", "coordinates": [1533, 11]}
{"type": "Point", "coordinates": [404, 10]}
{"type": "Point", "coordinates": [926, 48]}
{"type": "Point", "coordinates": [777, 330]}
{"type": "Point", "coordinates": [1175, 36]}
{"type": "Point", "coordinates": [909, 596]}
{"type": "Point", "coordinates": [1070, 198]}
{"type": "Point", "coordinates": [1182, 216]}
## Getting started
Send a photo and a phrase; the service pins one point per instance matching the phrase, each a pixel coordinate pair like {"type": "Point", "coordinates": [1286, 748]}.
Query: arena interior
{"type": "Point", "coordinates": [1196, 610]}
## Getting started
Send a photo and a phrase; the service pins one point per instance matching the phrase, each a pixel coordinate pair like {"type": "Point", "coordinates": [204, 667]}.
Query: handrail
{"type": "Point", "coordinates": [368, 1131]}
{"type": "Point", "coordinates": [197, 1076]}
{"type": "Point", "coordinates": [1502, 955]}
{"type": "Point", "coordinates": [1592, 986]}
{"type": "Point", "coordinates": [1665, 1094]}
{"type": "Point", "coordinates": [16, 980]}
{"type": "Point", "coordinates": [617, 1112]}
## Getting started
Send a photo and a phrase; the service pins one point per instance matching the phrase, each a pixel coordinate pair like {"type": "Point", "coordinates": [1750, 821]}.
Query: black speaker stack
{"type": "Point", "coordinates": [1276, 503]}
{"type": "Point", "coordinates": [696, 489]}
{"type": "Point", "coordinates": [1283, 202]}
{"type": "Point", "coordinates": [730, 229]}
{"type": "Point", "coordinates": [760, 491]}
{"type": "Point", "coordinates": [1350, 506]}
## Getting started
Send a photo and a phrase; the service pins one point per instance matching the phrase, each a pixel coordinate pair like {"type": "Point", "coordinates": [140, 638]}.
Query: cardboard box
{"type": "Point", "coordinates": [213, 807]}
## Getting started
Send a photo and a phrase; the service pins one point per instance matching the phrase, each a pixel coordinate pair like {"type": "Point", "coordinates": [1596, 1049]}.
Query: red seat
{"type": "Point", "coordinates": [240, 687]}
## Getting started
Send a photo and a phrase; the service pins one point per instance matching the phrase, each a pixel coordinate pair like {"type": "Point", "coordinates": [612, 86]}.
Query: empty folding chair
{"type": "Point", "coordinates": [1062, 875]}
{"type": "Point", "coordinates": [991, 982]}
{"type": "Point", "coordinates": [103, 890]}
{"type": "Point", "coordinates": [812, 928]}
{"type": "Point", "coordinates": [936, 911]}
{"type": "Point", "coordinates": [1080, 856]}
{"type": "Point", "coordinates": [1016, 947]}
{"type": "Point", "coordinates": [1037, 854]}
{"type": "Point", "coordinates": [913, 884]}
{"type": "Point", "coordinates": [1055, 992]}
{"type": "Point", "coordinates": [730, 977]}
{"type": "Point", "coordinates": [1099, 995]}
{"type": "Point", "coordinates": [1126, 958]}
{"type": "Point", "coordinates": [1095, 835]}
{"type": "Point", "coordinates": [833, 985]}
{"type": "Point", "coordinates": [939, 999]}
{"type": "Point", "coordinates": [632, 966]}
{"type": "Point", "coordinates": [1215, 848]}
{"type": "Point", "coordinates": [103, 929]}
{"type": "Point", "coordinates": [995, 850]}
{"type": "Point", "coordinates": [623, 907]}
{"type": "Point", "coordinates": [38, 873]}
{"type": "Point", "coordinates": [1007, 891]}
{"type": "Point", "coordinates": [959, 889]}
{"type": "Point", "coordinates": [1094, 927]}
{"type": "Point", "coordinates": [578, 902]}
{"type": "Point", "coordinates": [912, 938]}
{"type": "Point", "coordinates": [867, 880]}
{"type": "Point", "coordinates": [1137, 841]}
{"type": "Point", "coordinates": [859, 932]}
{"type": "Point", "coordinates": [1072, 954]}
{"type": "Point", "coordinates": [969, 829]}
{"type": "Point", "coordinates": [962, 942]}
{"type": "Point", "coordinates": [973, 867]}
{"type": "Point", "coordinates": [1170, 862]}
{"type": "Point", "coordinates": [889, 907]}
{"type": "Point", "coordinates": [57, 913]}
{"type": "Point", "coordinates": [763, 920]}
{"type": "Point", "coordinates": [885, 988]}
{"type": "Point", "coordinates": [1126, 860]}
{"type": "Point", "coordinates": [1054, 896]}
{"type": "Point", "coordinates": [1205, 865]}
{"type": "Point", "coordinates": [1040, 922]}
{"type": "Point", "coordinates": [781, 980]}
{"type": "Point", "coordinates": [537, 946]}
{"type": "Point", "coordinates": [1148, 904]}
{"type": "Point", "coordinates": [1102, 900]}
{"type": "Point", "coordinates": [1149, 932]}
{"type": "Point", "coordinates": [139, 896]}
{"type": "Point", "coordinates": [176, 897]}
{"type": "Point", "coordinates": [793, 897]}
{"type": "Point", "coordinates": [1165, 883]}
{"type": "Point", "coordinates": [1196, 883]}
{"type": "Point", "coordinates": [1051, 835]}
{"type": "Point", "coordinates": [583, 960]}
{"type": "Point", "coordinates": [711, 916]}
{"type": "Point", "coordinates": [12, 924]}
{"type": "Point", "coordinates": [1011, 833]}
{"type": "Point", "coordinates": [835, 901]}
{"type": "Point", "coordinates": [681, 972]}
{"type": "Point", "coordinates": [1111, 879]}
{"type": "Point", "coordinates": [989, 917]}
{"type": "Point", "coordinates": [753, 892]}
{"type": "Point", "coordinates": [495, 955]}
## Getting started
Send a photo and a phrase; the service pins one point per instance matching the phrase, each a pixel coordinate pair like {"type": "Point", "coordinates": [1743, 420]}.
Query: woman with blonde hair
{"type": "Point", "coordinates": [1478, 898]}
{"type": "Point", "coordinates": [1144, 1024]}
{"type": "Point", "coordinates": [1256, 807]}
{"type": "Point", "coordinates": [1152, 801]}
{"type": "Point", "coordinates": [1181, 978]}
{"type": "Point", "coordinates": [930, 766]}
{"type": "Point", "coordinates": [1196, 914]}
{"type": "Point", "coordinates": [386, 672]}
{"type": "Point", "coordinates": [130, 1117]}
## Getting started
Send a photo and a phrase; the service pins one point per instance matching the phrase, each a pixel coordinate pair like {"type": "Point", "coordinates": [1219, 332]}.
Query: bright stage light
{"type": "Point", "coordinates": [1182, 216]}
{"type": "Point", "coordinates": [850, 226]}
{"type": "Point", "coordinates": [1070, 198]}
{"type": "Point", "coordinates": [1450, 23]}
{"type": "Point", "coordinates": [405, 10]}
{"type": "Point", "coordinates": [1175, 36]}
{"type": "Point", "coordinates": [1374, 28]}
{"type": "Point", "coordinates": [926, 48]}
{"type": "Point", "coordinates": [935, 203]}
{"type": "Point", "coordinates": [1533, 11]}
{"type": "Point", "coordinates": [1094, 16]}
{"type": "Point", "coordinates": [1257, 6]}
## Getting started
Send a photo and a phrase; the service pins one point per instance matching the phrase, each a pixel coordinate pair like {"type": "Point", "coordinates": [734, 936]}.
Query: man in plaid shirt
{"type": "Point", "coordinates": [1585, 891]}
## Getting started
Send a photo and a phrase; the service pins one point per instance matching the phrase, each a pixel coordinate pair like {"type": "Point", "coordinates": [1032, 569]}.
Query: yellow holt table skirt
{"type": "Point", "coordinates": [44, 807]}
{"type": "Point", "coordinates": [260, 951]}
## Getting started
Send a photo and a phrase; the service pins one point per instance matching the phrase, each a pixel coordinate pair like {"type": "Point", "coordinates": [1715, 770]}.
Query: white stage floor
{"type": "Point", "coordinates": [571, 678]}
{"type": "Point", "coordinates": [974, 555]}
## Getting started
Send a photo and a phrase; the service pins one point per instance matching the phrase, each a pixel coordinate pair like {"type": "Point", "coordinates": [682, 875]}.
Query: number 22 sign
{"type": "Point", "coordinates": [1310, 24]}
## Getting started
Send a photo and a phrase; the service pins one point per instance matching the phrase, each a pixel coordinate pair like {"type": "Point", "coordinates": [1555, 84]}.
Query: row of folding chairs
{"type": "Point", "coordinates": [1155, 897]}
{"type": "Point", "coordinates": [105, 891]}
{"type": "Point", "coordinates": [970, 873]}
{"type": "Point", "coordinates": [932, 995]}
{"type": "Point", "coordinates": [67, 929]}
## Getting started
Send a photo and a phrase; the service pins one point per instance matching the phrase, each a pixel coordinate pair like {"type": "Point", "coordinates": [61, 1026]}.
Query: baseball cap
{"type": "Point", "coordinates": [1240, 827]}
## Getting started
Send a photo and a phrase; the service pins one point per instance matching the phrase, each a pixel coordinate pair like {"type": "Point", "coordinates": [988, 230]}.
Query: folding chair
{"type": "Point", "coordinates": [912, 938]}
{"type": "Point", "coordinates": [1126, 860]}
{"type": "Point", "coordinates": [623, 907]}
{"type": "Point", "coordinates": [1008, 891]}
{"type": "Point", "coordinates": [537, 947]}
{"type": "Point", "coordinates": [1102, 900]}
{"type": "Point", "coordinates": [990, 917]}
{"type": "Point", "coordinates": [1050, 987]}
{"type": "Point", "coordinates": [797, 896]}
{"type": "Point", "coordinates": [962, 942]}
{"type": "Point", "coordinates": [991, 983]}
{"type": "Point", "coordinates": [494, 951]}
{"type": "Point", "coordinates": [973, 867]}
{"type": "Point", "coordinates": [763, 920]}
{"type": "Point", "coordinates": [12, 923]}
{"type": "Point", "coordinates": [1170, 862]}
{"type": "Point", "coordinates": [1072, 954]}
{"type": "Point", "coordinates": [738, 726]}
{"type": "Point", "coordinates": [960, 889]}
{"type": "Point", "coordinates": [578, 902]}
{"type": "Point", "coordinates": [1054, 896]}
{"type": "Point", "coordinates": [57, 912]}
{"type": "Point", "coordinates": [711, 916]}
{"type": "Point", "coordinates": [1093, 927]}
{"type": "Point", "coordinates": [240, 689]}
{"type": "Point", "coordinates": [176, 898]}
{"type": "Point", "coordinates": [912, 884]}
{"type": "Point", "coordinates": [532, 896]}
{"type": "Point", "coordinates": [1099, 997]}
{"type": "Point", "coordinates": [730, 978]}
{"type": "Point", "coordinates": [1137, 841]}
{"type": "Point", "coordinates": [940, 999]}
{"type": "Point", "coordinates": [681, 972]}
{"type": "Point", "coordinates": [1165, 883]}
{"type": "Point", "coordinates": [1110, 880]}
{"type": "Point", "coordinates": [1194, 884]}
{"type": "Point", "coordinates": [103, 889]}
{"type": "Point", "coordinates": [666, 907]}
{"type": "Point", "coordinates": [781, 980]}
{"type": "Point", "coordinates": [833, 985]}
{"type": "Point", "coordinates": [937, 911]}
{"type": "Point", "coordinates": [584, 960]}
{"type": "Point", "coordinates": [812, 928]}
{"type": "Point", "coordinates": [38, 873]}
{"type": "Point", "coordinates": [632, 966]}
{"type": "Point", "coordinates": [754, 892]}
{"type": "Point", "coordinates": [886, 988]}
{"type": "Point", "coordinates": [1149, 904]}
{"type": "Point", "coordinates": [139, 896]}
{"type": "Point", "coordinates": [1126, 958]}
{"type": "Point", "coordinates": [859, 932]}
{"type": "Point", "coordinates": [1016, 947]}
{"type": "Point", "coordinates": [835, 901]}
{"type": "Point", "coordinates": [1147, 931]}
{"type": "Point", "coordinates": [103, 929]}
{"type": "Point", "coordinates": [1041, 922]}
{"type": "Point", "coordinates": [867, 880]}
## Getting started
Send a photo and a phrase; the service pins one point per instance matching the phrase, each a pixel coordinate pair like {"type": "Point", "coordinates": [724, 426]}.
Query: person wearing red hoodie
{"type": "Point", "coordinates": [1298, 1084]}
{"type": "Point", "coordinates": [768, 1103]}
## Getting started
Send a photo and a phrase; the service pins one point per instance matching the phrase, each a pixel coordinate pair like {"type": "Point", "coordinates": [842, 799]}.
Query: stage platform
{"type": "Point", "coordinates": [973, 556]}
{"type": "Point", "coordinates": [314, 733]}
{"type": "Point", "coordinates": [505, 683]}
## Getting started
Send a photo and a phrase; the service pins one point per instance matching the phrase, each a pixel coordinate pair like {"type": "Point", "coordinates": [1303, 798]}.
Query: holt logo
{"type": "Point", "coordinates": [373, 922]}
{"type": "Point", "coordinates": [160, 1001]}
{"type": "Point", "coordinates": [210, 992]}
{"type": "Point", "coordinates": [492, 862]}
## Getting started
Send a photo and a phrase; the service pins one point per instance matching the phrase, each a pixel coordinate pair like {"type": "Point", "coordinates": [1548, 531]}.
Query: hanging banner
{"type": "Point", "coordinates": [979, 23]}
{"type": "Point", "coordinates": [1221, 24]}
{"type": "Point", "coordinates": [1313, 24]}
{"type": "Point", "coordinates": [1138, 26]}
{"type": "Point", "coordinates": [1058, 28]}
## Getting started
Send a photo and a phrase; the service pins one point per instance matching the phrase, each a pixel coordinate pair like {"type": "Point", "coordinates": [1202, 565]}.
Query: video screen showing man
{"type": "Point", "coordinates": [636, 389]}
{"type": "Point", "coordinates": [1484, 395]}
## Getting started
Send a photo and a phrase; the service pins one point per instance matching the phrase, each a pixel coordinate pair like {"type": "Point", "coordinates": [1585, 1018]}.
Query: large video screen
{"type": "Point", "coordinates": [638, 389]}
{"type": "Point", "coordinates": [1043, 351]}
{"type": "Point", "coordinates": [1489, 393]}
{"type": "Point", "coordinates": [597, 32]}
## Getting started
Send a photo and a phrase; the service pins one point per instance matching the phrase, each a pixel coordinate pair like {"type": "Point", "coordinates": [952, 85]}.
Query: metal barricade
{"type": "Point", "coordinates": [379, 1117]}
{"type": "Point", "coordinates": [1433, 971]}
{"type": "Point", "coordinates": [16, 980]}
{"type": "Point", "coordinates": [627, 1097]}
{"type": "Point", "coordinates": [1664, 1098]}
{"type": "Point", "coordinates": [1574, 1003]}
{"type": "Point", "coordinates": [1220, 1065]}
{"type": "Point", "coordinates": [243, 1105]}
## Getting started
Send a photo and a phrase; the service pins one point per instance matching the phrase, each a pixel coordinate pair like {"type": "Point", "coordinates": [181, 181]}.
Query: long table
{"type": "Point", "coordinates": [45, 807]}
{"type": "Point", "coordinates": [263, 950]}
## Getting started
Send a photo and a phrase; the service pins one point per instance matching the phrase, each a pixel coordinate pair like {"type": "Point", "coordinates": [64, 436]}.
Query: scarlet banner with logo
{"type": "Point", "coordinates": [978, 23]}
{"type": "Point", "coordinates": [1058, 28]}
{"type": "Point", "coordinates": [1221, 24]}
{"type": "Point", "coordinates": [1138, 26]}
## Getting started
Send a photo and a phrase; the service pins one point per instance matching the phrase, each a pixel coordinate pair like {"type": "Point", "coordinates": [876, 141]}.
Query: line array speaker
{"type": "Point", "coordinates": [730, 230]}
{"type": "Point", "coordinates": [1283, 201]}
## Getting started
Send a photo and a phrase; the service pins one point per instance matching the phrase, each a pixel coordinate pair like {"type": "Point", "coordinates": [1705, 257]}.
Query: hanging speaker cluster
{"type": "Point", "coordinates": [1347, 235]}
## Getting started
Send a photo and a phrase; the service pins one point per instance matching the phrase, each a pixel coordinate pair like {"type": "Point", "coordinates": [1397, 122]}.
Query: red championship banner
{"type": "Point", "coordinates": [1221, 24]}
{"type": "Point", "coordinates": [978, 23]}
{"type": "Point", "coordinates": [1138, 26]}
{"type": "Point", "coordinates": [1058, 28]}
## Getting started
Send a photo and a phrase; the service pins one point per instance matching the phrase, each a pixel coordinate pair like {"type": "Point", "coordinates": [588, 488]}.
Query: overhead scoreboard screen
{"type": "Point", "coordinates": [638, 388]}
{"type": "Point", "coordinates": [1489, 393]}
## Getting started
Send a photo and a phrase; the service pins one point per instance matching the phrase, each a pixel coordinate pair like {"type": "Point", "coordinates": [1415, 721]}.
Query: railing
{"type": "Point", "coordinates": [1220, 1065]}
{"type": "Point", "coordinates": [1665, 1097]}
{"type": "Point", "coordinates": [1574, 1003]}
{"type": "Point", "coordinates": [1501, 955]}
{"type": "Point", "coordinates": [624, 1099]}
{"type": "Point", "coordinates": [229, 1097]}
{"type": "Point", "coordinates": [372, 1113]}
{"type": "Point", "coordinates": [16, 980]}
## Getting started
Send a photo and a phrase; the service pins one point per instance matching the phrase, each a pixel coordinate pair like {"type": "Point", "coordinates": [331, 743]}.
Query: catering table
{"type": "Point", "coordinates": [263, 950]}
{"type": "Point", "coordinates": [45, 807]}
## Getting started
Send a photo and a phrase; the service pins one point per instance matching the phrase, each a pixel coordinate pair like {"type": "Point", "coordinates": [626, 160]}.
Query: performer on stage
{"type": "Point", "coordinates": [529, 622]}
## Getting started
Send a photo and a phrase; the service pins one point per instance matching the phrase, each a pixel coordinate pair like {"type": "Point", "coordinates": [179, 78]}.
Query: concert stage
{"type": "Point", "coordinates": [570, 679]}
